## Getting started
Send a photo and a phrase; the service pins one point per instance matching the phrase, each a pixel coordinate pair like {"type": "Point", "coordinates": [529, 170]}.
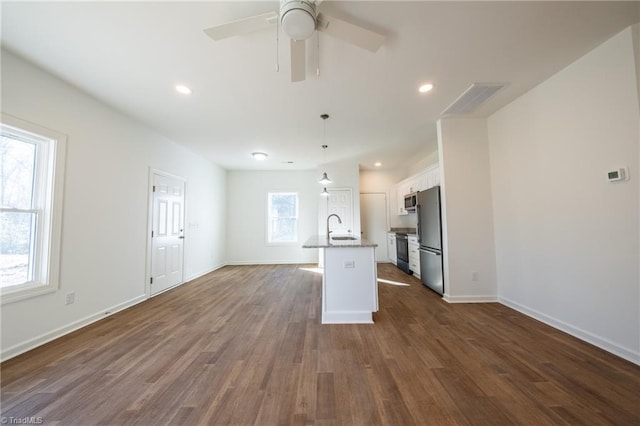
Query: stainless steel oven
{"type": "Point", "coordinates": [402, 250]}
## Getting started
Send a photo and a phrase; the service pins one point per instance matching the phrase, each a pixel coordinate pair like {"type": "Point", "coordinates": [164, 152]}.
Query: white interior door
{"type": "Point", "coordinates": [340, 202]}
{"type": "Point", "coordinates": [167, 232]}
{"type": "Point", "coordinates": [374, 223]}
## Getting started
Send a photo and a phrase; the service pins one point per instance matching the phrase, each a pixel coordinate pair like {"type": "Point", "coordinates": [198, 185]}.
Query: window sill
{"type": "Point", "coordinates": [10, 296]}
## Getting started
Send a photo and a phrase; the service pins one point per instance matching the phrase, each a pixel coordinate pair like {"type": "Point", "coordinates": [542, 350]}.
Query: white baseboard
{"type": "Point", "coordinates": [588, 337]}
{"type": "Point", "coordinates": [470, 299]}
{"type": "Point", "coordinates": [347, 317]}
{"type": "Point", "coordinates": [69, 328]}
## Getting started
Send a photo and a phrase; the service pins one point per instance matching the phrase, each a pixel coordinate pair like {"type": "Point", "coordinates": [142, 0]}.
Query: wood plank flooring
{"type": "Point", "coordinates": [244, 346]}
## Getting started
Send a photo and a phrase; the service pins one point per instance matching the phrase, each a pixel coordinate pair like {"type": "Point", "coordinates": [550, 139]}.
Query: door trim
{"type": "Point", "coordinates": [152, 172]}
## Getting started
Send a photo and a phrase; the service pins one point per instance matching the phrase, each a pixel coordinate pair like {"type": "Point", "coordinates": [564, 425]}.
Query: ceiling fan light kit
{"type": "Point", "coordinates": [298, 18]}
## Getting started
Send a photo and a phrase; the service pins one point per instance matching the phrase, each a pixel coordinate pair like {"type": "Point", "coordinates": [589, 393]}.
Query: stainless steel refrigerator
{"type": "Point", "coordinates": [430, 239]}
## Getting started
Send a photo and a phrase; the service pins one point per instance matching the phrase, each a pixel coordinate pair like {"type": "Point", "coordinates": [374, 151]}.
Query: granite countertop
{"type": "Point", "coordinates": [320, 241]}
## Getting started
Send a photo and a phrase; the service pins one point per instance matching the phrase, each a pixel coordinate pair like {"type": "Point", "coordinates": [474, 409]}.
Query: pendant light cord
{"type": "Point", "coordinates": [325, 179]}
{"type": "Point", "coordinates": [324, 135]}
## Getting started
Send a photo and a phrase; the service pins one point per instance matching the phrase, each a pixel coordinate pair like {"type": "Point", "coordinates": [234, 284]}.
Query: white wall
{"type": "Point", "coordinates": [567, 241]}
{"type": "Point", "coordinates": [385, 181]}
{"type": "Point", "coordinates": [422, 164]}
{"type": "Point", "coordinates": [104, 235]}
{"type": "Point", "coordinates": [247, 216]}
{"type": "Point", "coordinates": [468, 241]}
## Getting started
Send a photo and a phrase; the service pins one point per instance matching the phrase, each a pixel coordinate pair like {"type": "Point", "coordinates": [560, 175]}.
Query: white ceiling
{"type": "Point", "coordinates": [132, 54]}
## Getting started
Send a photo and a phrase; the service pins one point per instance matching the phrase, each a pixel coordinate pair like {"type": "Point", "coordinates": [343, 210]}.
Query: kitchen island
{"type": "Point", "coordinates": [349, 279]}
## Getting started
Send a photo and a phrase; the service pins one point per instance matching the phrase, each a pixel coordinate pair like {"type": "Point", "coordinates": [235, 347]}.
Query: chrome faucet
{"type": "Point", "coordinates": [329, 217]}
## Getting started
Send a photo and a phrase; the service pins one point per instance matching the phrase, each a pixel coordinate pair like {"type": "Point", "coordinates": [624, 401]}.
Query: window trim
{"type": "Point", "coordinates": [268, 219]}
{"type": "Point", "coordinates": [49, 180]}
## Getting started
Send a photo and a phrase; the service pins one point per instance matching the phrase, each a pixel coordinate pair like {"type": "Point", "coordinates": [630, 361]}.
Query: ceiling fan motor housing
{"type": "Point", "coordinates": [298, 18]}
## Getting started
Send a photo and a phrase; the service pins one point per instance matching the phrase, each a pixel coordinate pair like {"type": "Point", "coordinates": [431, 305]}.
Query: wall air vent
{"type": "Point", "coordinates": [472, 98]}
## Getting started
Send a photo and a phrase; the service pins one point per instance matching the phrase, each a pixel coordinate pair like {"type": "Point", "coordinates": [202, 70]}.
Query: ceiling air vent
{"type": "Point", "coordinates": [473, 98]}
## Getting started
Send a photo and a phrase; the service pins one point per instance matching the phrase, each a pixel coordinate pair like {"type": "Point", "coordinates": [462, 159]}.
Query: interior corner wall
{"type": "Point", "coordinates": [567, 240]}
{"type": "Point", "coordinates": [635, 33]}
{"type": "Point", "coordinates": [468, 241]}
{"type": "Point", "coordinates": [385, 181]}
{"type": "Point", "coordinates": [104, 222]}
{"type": "Point", "coordinates": [247, 216]}
{"type": "Point", "coordinates": [422, 164]}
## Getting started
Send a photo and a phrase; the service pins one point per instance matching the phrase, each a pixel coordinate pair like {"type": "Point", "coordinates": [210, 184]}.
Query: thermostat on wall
{"type": "Point", "coordinates": [618, 174]}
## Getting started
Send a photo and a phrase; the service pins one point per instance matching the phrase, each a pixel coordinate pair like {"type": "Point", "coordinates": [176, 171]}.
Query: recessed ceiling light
{"type": "Point", "coordinates": [377, 164]}
{"type": "Point", "coordinates": [182, 89]}
{"type": "Point", "coordinates": [427, 87]}
{"type": "Point", "coordinates": [260, 156]}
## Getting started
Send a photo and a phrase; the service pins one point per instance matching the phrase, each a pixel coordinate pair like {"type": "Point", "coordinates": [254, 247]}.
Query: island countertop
{"type": "Point", "coordinates": [320, 241]}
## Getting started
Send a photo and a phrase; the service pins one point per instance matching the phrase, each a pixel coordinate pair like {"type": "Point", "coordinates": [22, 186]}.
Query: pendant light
{"type": "Point", "coordinates": [324, 180]}
{"type": "Point", "coordinates": [324, 192]}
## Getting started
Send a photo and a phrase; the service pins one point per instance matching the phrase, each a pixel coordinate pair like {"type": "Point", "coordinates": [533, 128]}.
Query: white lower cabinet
{"type": "Point", "coordinates": [391, 247]}
{"type": "Point", "coordinates": [414, 255]}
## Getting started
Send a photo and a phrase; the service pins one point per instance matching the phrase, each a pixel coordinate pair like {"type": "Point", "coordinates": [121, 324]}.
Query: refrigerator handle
{"type": "Point", "coordinates": [418, 224]}
{"type": "Point", "coordinates": [429, 252]}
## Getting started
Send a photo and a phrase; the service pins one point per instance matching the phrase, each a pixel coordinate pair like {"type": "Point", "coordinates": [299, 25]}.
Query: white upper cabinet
{"type": "Point", "coordinates": [422, 181]}
{"type": "Point", "coordinates": [402, 189]}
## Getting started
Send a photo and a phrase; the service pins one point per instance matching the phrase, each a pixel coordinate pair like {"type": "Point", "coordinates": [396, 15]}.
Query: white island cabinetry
{"type": "Point", "coordinates": [349, 280]}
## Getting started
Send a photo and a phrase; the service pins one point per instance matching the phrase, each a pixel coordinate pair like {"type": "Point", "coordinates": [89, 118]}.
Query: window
{"type": "Point", "coordinates": [31, 180]}
{"type": "Point", "coordinates": [282, 217]}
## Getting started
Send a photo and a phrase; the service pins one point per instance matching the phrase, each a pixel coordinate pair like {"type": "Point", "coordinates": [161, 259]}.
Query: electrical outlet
{"type": "Point", "coordinates": [474, 276]}
{"type": "Point", "coordinates": [70, 298]}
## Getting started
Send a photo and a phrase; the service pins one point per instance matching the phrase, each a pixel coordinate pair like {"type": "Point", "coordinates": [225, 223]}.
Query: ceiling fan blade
{"type": "Point", "coordinates": [242, 26]}
{"type": "Point", "coordinates": [349, 32]}
{"type": "Point", "coordinates": [298, 59]}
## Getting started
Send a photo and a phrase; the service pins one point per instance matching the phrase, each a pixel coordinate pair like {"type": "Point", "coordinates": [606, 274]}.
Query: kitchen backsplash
{"type": "Point", "coordinates": [403, 230]}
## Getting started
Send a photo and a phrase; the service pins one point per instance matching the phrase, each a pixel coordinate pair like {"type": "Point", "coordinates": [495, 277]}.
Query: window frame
{"type": "Point", "coordinates": [269, 241]}
{"type": "Point", "coordinates": [47, 204]}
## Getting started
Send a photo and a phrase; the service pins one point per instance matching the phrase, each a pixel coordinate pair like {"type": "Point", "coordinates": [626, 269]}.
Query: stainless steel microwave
{"type": "Point", "coordinates": [410, 202]}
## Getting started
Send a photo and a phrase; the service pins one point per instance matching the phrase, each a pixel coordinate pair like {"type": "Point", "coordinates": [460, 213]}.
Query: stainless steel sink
{"type": "Point", "coordinates": [345, 238]}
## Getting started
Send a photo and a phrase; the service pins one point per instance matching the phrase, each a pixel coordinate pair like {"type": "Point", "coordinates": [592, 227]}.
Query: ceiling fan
{"type": "Point", "coordinates": [299, 19]}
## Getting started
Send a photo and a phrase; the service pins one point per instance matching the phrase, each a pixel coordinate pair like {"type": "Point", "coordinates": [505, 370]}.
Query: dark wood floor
{"type": "Point", "coordinates": [244, 345]}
